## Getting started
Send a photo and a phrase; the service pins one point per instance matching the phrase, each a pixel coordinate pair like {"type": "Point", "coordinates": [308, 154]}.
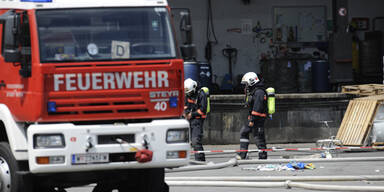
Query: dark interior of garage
{"type": "Point", "coordinates": [297, 46]}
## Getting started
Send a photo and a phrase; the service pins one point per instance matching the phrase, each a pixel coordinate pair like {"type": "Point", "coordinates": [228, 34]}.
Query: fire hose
{"type": "Point", "coordinates": [281, 178]}
{"type": "Point", "coordinates": [234, 162]}
{"type": "Point", "coordinates": [287, 184]}
{"type": "Point", "coordinates": [275, 181]}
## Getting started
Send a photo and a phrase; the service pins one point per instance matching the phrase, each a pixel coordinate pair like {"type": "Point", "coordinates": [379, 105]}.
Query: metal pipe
{"type": "Point", "coordinates": [233, 162]}
{"type": "Point", "coordinates": [225, 184]}
{"type": "Point", "coordinates": [287, 184]}
{"type": "Point", "coordinates": [281, 178]}
{"type": "Point", "coordinates": [334, 187]}
{"type": "Point", "coordinates": [345, 159]}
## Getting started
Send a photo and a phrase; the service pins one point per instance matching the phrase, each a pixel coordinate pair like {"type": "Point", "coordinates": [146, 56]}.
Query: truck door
{"type": "Point", "coordinates": [2, 84]}
{"type": "Point", "coordinates": [14, 55]}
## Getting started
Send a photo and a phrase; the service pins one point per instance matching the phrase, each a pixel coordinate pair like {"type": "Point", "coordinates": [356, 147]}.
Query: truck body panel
{"type": "Point", "coordinates": [76, 138]}
{"type": "Point", "coordinates": [96, 82]}
{"type": "Point", "coordinates": [59, 4]}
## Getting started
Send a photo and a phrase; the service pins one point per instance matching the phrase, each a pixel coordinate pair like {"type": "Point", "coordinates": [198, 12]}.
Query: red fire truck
{"type": "Point", "coordinates": [91, 91]}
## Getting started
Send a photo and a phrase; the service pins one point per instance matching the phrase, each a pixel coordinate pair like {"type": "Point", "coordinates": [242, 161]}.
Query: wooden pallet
{"type": "Point", "coordinates": [364, 90]}
{"type": "Point", "coordinates": [357, 121]}
{"type": "Point", "coordinates": [378, 144]}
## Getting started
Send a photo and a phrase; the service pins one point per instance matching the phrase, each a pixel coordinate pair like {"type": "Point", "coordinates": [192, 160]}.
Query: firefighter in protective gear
{"type": "Point", "coordinates": [195, 110]}
{"type": "Point", "coordinates": [257, 105]}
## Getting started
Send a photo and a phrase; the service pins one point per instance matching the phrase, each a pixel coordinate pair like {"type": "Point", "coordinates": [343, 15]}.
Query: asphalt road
{"type": "Point", "coordinates": [321, 169]}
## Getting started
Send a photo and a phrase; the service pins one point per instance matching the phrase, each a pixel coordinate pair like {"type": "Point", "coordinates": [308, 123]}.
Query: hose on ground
{"type": "Point", "coordinates": [208, 166]}
{"type": "Point", "coordinates": [281, 178]}
{"type": "Point", "coordinates": [288, 184]}
{"type": "Point", "coordinates": [234, 162]}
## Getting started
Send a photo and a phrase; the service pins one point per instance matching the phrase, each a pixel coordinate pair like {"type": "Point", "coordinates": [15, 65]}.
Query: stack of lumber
{"type": "Point", "coordinates": [363, 90]}
{"type": "Point", "coordinates": [358, 119]}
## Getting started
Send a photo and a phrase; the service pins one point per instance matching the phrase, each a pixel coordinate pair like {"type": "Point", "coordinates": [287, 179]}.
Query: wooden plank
{"type": "Point", "coordinates": [367, 121]}
{"type": "Point", "coordinates": [353, 122]}
{"type": "Point", "coordinates": [357, 121]}
{"type": "Point", "coordinates": [344, 122]}
{"type": "Point", "coordinates": [364, 121]}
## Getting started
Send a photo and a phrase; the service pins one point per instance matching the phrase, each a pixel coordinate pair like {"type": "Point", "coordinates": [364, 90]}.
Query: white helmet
{"type": "Point", "coordinates": [190, 86]}
{"type": "Point", "coordinates": [250, 79]}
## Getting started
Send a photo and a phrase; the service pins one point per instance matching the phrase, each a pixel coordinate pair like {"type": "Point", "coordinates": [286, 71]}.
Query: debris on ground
{"type": "Point", "coordinates": [325, 154]}
{"type": "Point", "coordinates": [281, 167]}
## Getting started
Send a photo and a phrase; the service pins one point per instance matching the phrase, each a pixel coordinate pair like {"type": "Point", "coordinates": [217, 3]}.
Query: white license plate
{"type": "Point", "coordinates": [90, 158]}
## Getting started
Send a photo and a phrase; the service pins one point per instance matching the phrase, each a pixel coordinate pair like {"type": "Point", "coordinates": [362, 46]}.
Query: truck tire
{"type": "Point", "coordinates": [9, 179]}
{"type": "Point", "coordinates": [154, 181]}
{"type": "Point", "coordinates": [146, 180]}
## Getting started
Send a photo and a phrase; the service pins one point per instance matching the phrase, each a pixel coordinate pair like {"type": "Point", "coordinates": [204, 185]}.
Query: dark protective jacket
{"type": "Point", "coordinates": [196, 104]}
{"type": "Point", "coordinates": [257, 102]}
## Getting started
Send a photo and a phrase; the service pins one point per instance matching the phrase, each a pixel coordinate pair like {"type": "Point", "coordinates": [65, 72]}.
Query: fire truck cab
{"type": "Point", "coordinates": [91, 91]}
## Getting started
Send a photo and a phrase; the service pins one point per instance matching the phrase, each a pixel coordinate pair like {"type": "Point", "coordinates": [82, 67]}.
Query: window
{"type": "Point", "coordinates": [1, 36]}
{"type": "Point", "coordinates": [104, 34]}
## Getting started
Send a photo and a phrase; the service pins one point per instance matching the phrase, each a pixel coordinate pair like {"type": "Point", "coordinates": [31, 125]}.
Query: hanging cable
{"type": "Point", "coordinates": [211, 35]}
{"type": "Point", "coordinates": [210, 26]}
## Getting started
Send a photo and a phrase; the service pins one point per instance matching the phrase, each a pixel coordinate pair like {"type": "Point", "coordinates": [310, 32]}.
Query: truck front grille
{"type": "Point", "coordinates": [88, 103]}
{"type": "Point", "coordinates": [112, 139]}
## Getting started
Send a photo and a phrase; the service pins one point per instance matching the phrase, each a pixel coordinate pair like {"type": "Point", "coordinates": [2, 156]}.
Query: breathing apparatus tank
{"type": "Point", "coordinates": [271, 101]}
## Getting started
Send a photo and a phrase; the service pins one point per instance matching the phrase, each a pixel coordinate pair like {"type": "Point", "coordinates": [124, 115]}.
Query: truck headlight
{"type": "Point", "coordinates": [177, 136]}
{"type": "Point", "coordinates": [49, 141]}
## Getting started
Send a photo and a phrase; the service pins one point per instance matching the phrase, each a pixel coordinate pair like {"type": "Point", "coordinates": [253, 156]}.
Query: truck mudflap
{"type": "Point", "coordinates": [71, 148]}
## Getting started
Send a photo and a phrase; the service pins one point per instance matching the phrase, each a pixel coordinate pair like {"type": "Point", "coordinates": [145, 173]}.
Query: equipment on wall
{"type": "Point", "coordinates": [188, 50]}
{"type": "Point", "coordinates": [261, 33]}
{"type": "Point", "coordinates": [231, 54]}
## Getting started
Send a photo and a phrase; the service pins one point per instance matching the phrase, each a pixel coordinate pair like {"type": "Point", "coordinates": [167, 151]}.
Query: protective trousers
{"type": "Point", "coordinates": [197, 138]}
{"type": "Point", "coordinates": [259, 135]}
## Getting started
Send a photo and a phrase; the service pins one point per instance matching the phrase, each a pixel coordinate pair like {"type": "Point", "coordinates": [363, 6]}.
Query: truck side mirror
{"type": "Point", "coordinates": [11, 52]}
{"type": "Point", "coordinates": [12, 55]}
{"type": "Point", "coordinates": [17, 43]}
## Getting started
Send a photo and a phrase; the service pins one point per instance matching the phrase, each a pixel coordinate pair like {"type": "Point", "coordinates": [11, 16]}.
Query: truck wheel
{"type": "Point", "coordinates": [103, 187]}
{"type": "Point", "coordinates": [148, 180]}
{"type": "Point", "coordinates": [154, 181]}
{"type": "Point", "coordinates": [144, 180]}
{"type": "Point", "coordinates": [9, 180]}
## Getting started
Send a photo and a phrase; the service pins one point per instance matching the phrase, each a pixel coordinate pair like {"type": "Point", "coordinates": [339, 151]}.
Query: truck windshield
{"type": "Point", "coordinates": [104, 34]}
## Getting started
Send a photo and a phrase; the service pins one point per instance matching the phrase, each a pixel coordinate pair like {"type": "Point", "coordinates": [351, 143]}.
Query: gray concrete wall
{"type": "Point", "coordinates": [299, 118]}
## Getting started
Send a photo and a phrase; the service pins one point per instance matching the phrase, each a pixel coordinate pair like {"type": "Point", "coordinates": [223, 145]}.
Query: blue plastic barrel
{"type": "Point", "coordinates": [205, 74]}
{"type": "Point", "coordinates": [320, 76]}
{"type": "Point", "coordinates": [191, 70]}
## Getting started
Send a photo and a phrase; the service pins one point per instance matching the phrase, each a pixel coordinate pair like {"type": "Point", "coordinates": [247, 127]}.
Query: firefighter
{"type": "Point", "coordinates": [256, 101]}
{"type": "Point", "coordinates": [195, 111]}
